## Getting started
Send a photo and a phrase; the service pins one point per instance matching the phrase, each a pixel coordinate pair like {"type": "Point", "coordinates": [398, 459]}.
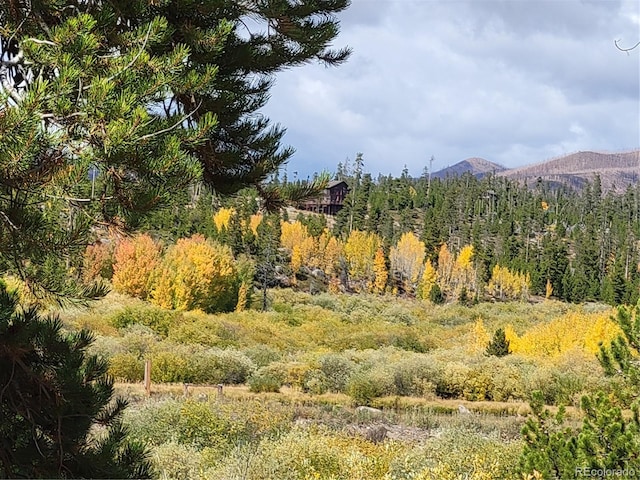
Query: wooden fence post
{"type": "Point", "coordinates": [147, 377]}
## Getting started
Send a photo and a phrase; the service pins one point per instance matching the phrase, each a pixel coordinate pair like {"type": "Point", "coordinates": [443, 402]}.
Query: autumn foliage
{"type": "Point", "coordinates": [97, 262]}
{"type": "Point", "coordinates": [360, 251]}
{"type": "Point", "coordinates": [506, 284]}
{"type": "Point", "coordinates": [407, 259]}
{"type": "Point", "coordinates": [196, 274]}
{"type": "Point", "coordinates": [222, 218]}
{"type": "Point", "coordinates": [135, 261]}
{"type": "Point", "coordinates": [571, 331]}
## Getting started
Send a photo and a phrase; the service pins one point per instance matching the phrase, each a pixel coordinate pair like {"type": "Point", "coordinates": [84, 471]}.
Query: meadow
{"type": "Point", "coordinates": [294, 376]}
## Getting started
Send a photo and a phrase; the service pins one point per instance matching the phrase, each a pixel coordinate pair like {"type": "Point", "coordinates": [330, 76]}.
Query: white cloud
{"type": "Point", "coordinates": [513, 81]}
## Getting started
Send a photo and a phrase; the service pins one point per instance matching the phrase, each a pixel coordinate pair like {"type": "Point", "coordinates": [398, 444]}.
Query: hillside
{"type": "Point", "coordinates": [616, 170]}
{"type": "Point", "coordinates": [478, 167]}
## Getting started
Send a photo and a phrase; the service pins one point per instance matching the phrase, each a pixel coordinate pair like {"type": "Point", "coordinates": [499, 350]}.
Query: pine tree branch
{"type": "Point", "coordinates": [8, 220]}
{"type": "Point", "coordinates": [168, 129]}
{"type": "Point", "coordinates": [133, 60]}
{"type": "Point", "coordinates": [37, 41]}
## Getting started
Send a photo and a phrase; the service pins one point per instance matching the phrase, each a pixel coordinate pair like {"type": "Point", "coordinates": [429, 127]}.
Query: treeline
{"type": "Point", "coordinates": [458, 239]}
{"type": "Point", "coordinates": [581, 244]}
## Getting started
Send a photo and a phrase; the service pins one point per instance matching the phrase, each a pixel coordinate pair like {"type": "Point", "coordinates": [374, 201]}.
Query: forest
{"type": "Point", "coordinates": [572, 245]}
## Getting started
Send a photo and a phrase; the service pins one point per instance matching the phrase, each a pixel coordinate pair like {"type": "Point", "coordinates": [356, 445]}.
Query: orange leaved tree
{"type": "Point", "coordinates": [135, 260]}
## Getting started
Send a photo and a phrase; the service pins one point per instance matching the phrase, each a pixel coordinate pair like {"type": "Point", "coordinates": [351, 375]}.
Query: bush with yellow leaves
{"type": "Point", "coordinates": [196, 274]}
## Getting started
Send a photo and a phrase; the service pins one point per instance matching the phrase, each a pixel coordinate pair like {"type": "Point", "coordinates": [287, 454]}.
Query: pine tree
{"type": "Point", "coordinates": [499, 345]}
{"type": "Point", "coordinates": [549, 448]}
{"type": "Point", "coordinates": [59, 418]}
{"type": "Point", "coordinates": [227, 72]}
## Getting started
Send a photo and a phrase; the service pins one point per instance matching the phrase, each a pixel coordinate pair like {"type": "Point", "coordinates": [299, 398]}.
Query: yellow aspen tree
{"type": "Point", "coordinates": [514, 340]}
{"type": "Point", "coordinates": [243, 296]}
{"type": "Point", "coordinates": [309, 252]}
{"type": "Point", "coordinates": [197, 274]}
{"type": "Point", "coordinates": [480, 336]}
{"type": "Point", "coordinates": [463, 274]}
{"type": "Point", "coordinates": [292, 234]}
{"type": "Point", "coordinates": [332, 251]}
{"type": "Point", "coordinates": [406, 260]}
{"type": "Point", "coordinates": [296, 261]}
{"type": "Point", "coordinates": [380, 272]}
{"type": "Point", "coordinates": [445, 268]}
{"type": "Point", "coordinates": [222, 218]}
{"type": "Point", "coordinates": [359, 251]}
{"type": "Point", "coordinates": [428, 280]}
{"type": "Point", "coordinates": [254, 222]}
{"type": "Point", "coordinates": [548, 290]}
{"type": "Point", "coordinates": [505, 284]}
{"type": "Point", "coordinates": [134, 262]}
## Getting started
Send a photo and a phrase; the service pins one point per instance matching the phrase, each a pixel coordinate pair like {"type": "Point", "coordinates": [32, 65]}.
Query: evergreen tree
{"type": "Point", "coordinates": [436, 295]}
{"type": "Point", "coordinates": [499, 345]}
{"type": "Point", "coordinates": [226, 71]}
{"type": "Point", "coordinates": [59, 418]}
{"type": "Point", "coordinates": [549, 448]}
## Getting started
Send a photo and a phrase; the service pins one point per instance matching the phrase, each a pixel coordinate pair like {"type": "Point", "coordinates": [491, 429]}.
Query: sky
{"type": "Point", "coordinates": [512, 81]}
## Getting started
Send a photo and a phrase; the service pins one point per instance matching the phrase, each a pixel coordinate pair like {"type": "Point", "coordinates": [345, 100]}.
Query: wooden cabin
{"type": "Point", "coordinates": [331, 201]}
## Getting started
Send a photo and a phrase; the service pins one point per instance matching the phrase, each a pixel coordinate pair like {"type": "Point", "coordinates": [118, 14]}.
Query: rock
{"type": "Point", "coordinates": [317, 273]}
{"type": "Point", "coordinates": [375, 412]}
{"type": "Point", "coordinates": [376, 434]}
{"type": "Point", "coordinates": [462, 410]}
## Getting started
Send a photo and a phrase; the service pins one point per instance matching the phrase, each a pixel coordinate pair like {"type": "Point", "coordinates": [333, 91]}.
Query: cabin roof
{"type": "Point", "coordinates": [335, 183]}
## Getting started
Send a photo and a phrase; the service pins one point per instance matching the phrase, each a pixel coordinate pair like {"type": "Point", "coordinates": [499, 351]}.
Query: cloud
{"type": "Point", "coordinates": [513, 81]}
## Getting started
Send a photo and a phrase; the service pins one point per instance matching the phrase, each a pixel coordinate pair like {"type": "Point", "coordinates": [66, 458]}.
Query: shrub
{"type": "Point", "coordinates": [172, 460]}
{"type": "Point", "coordinates": [267, 379]}
{"type": "Point", "coordinates": [315, 382]}
{"type": "Point", "coordinates": [139, 340]}
{"type": "Point", "coordinates": [197, 274]}
{"type": "Point", "coordinates": [414, 376]}
{"type": "Point", "coordinates": [135, 260]}
{"type": "Point", "coordinates": [262, 355]}
{"type": "Point", "coordinates": [159, 320]}
{"type": "Point", "coordinates": [364, 386]}
{"type": "Point", "coordinates": [557, 385]}
{"type": "Point", "coordinates": [126, 367]}
{"type": "Point", "coordinates": [313, 453]}
{"type": "Point", "coordinates": [336, 369]}
{"type": "Point", "coordinates": [452, 381]}
{"type": "Point", "coordinates": [221, 366]}
{"type": "Point", "coordinates": [457, 454]}
{"type": "Point", "coordinates": [478, 384]}
{"type": "Point", "coordinates": [171, 367]}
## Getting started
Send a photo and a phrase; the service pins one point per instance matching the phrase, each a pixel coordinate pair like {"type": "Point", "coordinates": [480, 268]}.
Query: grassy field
{"type": "Point", "coordinates": [295, 376]}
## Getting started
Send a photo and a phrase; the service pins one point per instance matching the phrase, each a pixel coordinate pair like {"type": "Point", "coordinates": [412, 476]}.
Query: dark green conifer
{"type": "Point", "coordinates": [499, 345]}
{"type": "Point", "coordinates": [59, 418]}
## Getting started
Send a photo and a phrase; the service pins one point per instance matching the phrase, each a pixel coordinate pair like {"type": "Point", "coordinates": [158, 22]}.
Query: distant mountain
{"type": "Point", "coordinates": [475, 166]}
{"type": "Point", "coordinates": [616, 170]}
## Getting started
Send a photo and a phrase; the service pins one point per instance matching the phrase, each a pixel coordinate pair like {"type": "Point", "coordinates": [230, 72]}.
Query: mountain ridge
{"type": "Point", "coordinates": [616, 170]}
